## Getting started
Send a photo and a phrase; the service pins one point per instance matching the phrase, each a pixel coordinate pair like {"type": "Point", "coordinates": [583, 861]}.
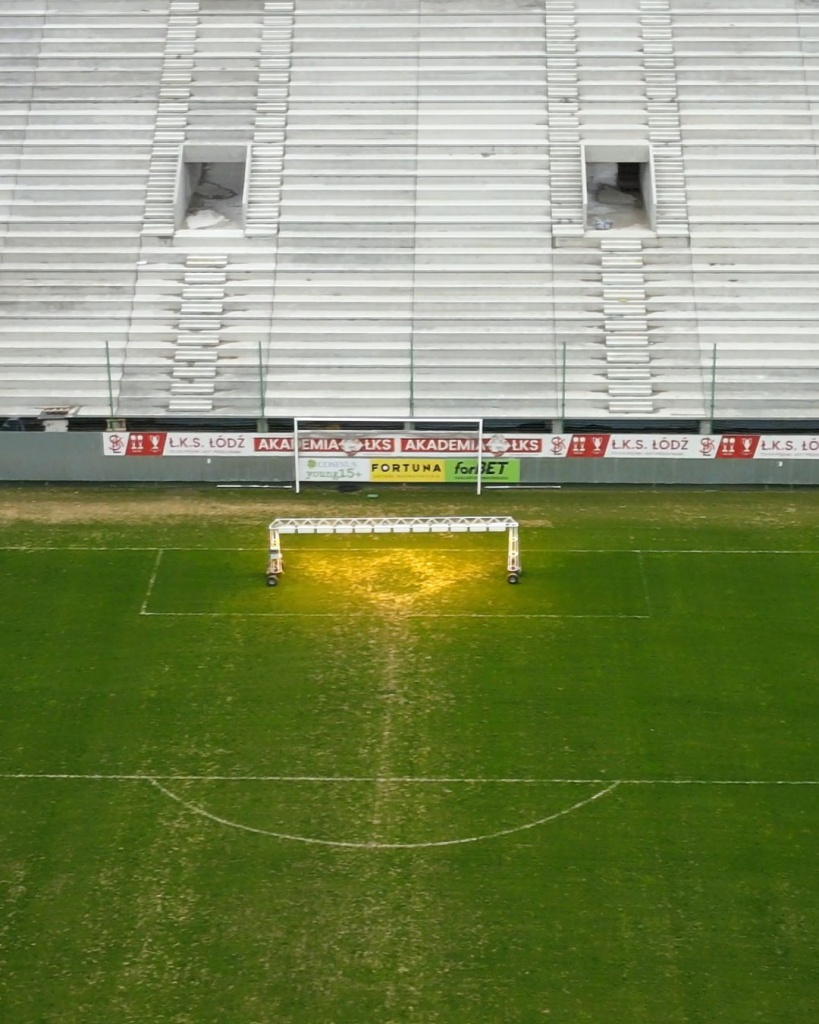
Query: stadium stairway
{"type": "Point", "coordinates": [563, 104]}
{"type": "Point", "coordinates": [199, 327]}
{"type": "Point", "coordinates": [224, 83]}
{"type": "Point", "coordinates": [172, 112]}
{"type": "Point", "coordinates": [273, 90]}
{"type": "Point", "coordinates": [623, 64]}
{"type": "Point", "coordinates": [193, 348]}
{"type": "Point", "coordinates": [625, 325]}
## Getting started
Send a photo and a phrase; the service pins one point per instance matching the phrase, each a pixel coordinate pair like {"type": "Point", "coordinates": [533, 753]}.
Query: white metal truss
{"type": "Point", "coordinates": [393, 525]}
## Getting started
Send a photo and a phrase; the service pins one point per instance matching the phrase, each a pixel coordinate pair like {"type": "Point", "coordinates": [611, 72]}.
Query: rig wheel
{"type": "Point", "coordinates": [513, 577]}
{"type": "Point", "coordinates": [272, 581]}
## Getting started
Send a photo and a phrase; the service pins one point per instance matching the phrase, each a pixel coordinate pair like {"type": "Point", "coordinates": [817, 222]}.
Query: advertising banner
{"type": "Point", "coordinates": [418, 471]}
{"type": "Point", "coordinates": [334, 470]}
{"type": "Point", "coordinates": [447, 470]}
{"type": "Point", "coordinates": [630, 446]}
{"type": "Point", "coordinates": [343, 445]}
{"type": "Point", "coordinates": [166, 443]}
{"type": "Point", "coordinates": [400, 452]}
{"type": "Point", "coordinates": [493, 471]}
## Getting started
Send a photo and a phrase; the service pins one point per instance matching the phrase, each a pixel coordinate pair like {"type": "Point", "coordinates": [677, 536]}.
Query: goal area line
{"type": "Point", "coordinates": [405, 615]}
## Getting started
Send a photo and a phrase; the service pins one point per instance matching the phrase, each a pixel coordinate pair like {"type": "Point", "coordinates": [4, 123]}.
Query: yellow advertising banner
{"type": "Point", "coordinates": [420, 471]}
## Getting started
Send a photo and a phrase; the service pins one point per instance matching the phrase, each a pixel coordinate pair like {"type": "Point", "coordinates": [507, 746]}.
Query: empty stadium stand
{"type": "Point", "coordinates": [599, 210]}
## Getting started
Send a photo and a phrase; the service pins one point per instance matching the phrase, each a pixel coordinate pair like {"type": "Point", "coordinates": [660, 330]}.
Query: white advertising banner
{"type": "Point", "coordinates": [333, 470]}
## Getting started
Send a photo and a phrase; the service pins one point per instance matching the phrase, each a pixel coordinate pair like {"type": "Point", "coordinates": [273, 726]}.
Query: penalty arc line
{"type": "Point", "coordinates": [196, 809]}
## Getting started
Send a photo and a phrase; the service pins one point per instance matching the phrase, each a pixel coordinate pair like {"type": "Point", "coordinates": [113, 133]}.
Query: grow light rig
{"type": "Point", "coordinates": [394, 524]}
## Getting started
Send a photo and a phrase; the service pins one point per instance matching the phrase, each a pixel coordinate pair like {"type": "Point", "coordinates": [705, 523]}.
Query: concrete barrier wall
{"type": "Point", "coordinates": [77, 457]}
{"type": "Point", "coordinates": [674, 472]}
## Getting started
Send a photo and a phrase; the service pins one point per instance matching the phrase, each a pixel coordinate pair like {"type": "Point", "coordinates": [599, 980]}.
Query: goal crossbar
{"type": "Point", "coordinates": [392, 525]}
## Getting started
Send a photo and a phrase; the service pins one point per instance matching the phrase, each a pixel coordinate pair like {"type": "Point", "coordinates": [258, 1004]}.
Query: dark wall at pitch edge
{"type": "Point", "coordinates": [78, 458]}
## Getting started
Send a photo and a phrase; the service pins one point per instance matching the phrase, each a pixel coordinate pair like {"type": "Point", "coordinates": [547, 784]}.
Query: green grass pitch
{"type": "Point", "coordinates": [394, 789]}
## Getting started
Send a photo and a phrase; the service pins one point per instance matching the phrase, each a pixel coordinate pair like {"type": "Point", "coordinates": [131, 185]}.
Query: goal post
{"type": "Point", "coordinates": [393, 525]}
{"type": "Point", "coordinates": [305, 427]}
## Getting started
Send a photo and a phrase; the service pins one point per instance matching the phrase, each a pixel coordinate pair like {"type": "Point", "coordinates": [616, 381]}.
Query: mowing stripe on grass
{"type": "Point", "coordinates": [644, 581]}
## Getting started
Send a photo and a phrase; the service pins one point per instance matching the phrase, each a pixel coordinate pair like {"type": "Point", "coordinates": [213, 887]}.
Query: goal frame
{"type": "Point", "coordinates": [345, 526]}
{"type": "Point", "coordinates": [406, 424]}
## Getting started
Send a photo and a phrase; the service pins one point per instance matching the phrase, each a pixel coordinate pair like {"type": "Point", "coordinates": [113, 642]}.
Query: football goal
{"type": "Point", "coordinates": [394, 524]}
{"type": "Point", "coordinates": [355, 441]}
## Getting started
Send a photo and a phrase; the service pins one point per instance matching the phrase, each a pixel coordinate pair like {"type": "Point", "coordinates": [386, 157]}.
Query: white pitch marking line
{"type": "Point", "coordinates": [337, 548]}
{"type": "Point", "coordinates": [713, 551]}
{"type": "Point", "coordinates": [84, 547]}
{"type": "Point", "coordinates": [410, 615]}
{"type": "Point", "coordinates": [420, 779]}
{"type": "Point", "coordinates": [151, 582]}
{"type": "Point", "coordinates": [196, 809]}
{"type": "Point", "coordinates": [719, 782]}
{"type": "Point", "coordinates": [563, 551]}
